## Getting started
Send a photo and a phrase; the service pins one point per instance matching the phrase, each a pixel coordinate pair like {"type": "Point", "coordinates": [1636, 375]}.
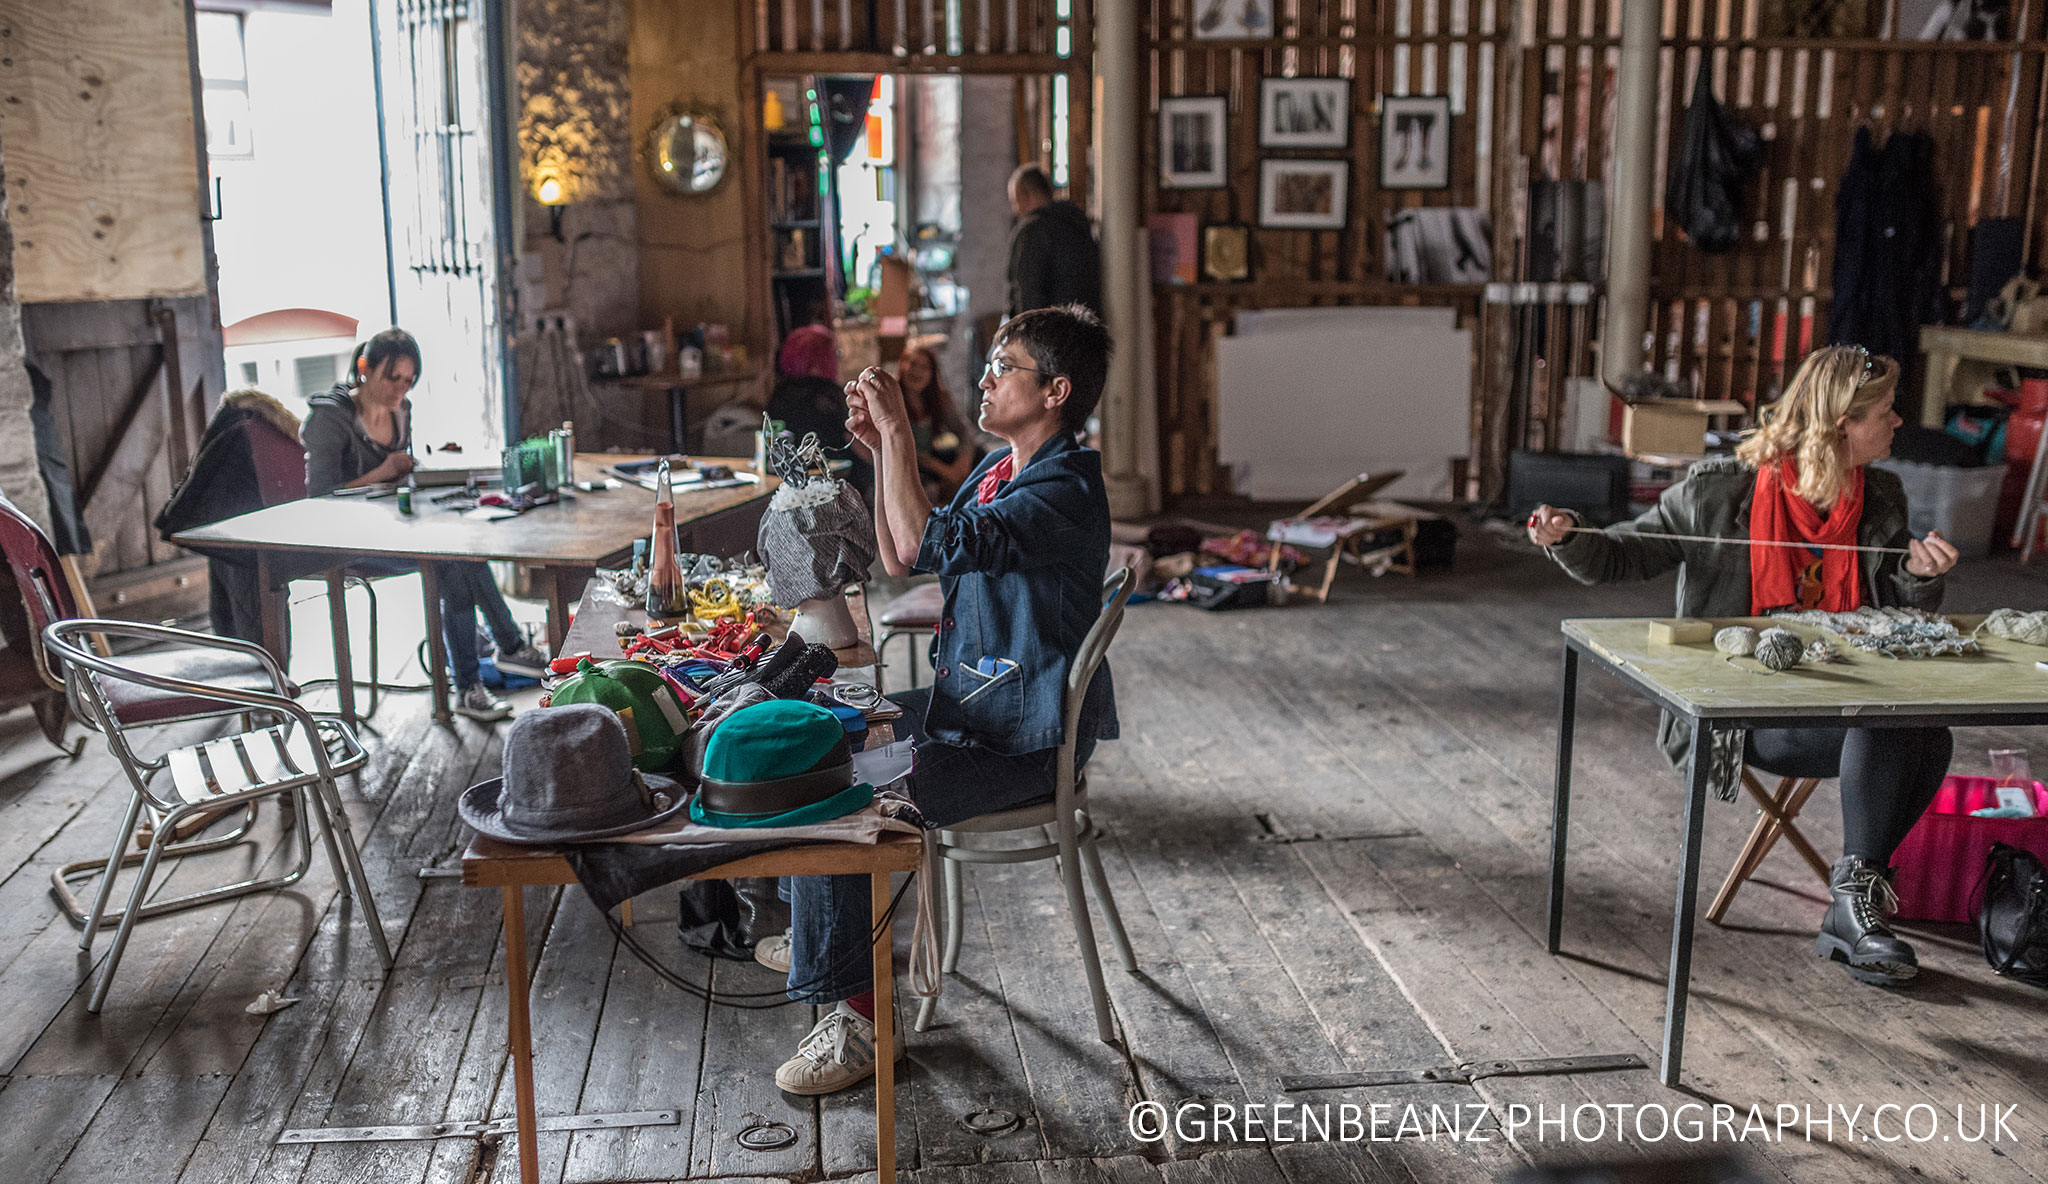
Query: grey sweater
{"type": "Point", "coordinates": [338, 450]}
{"type": "Point", "coordinates": [1713, 579]}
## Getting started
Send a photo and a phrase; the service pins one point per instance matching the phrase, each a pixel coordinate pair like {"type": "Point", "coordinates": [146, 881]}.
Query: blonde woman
{"type": "Point", "coordinates": [1802, 478]}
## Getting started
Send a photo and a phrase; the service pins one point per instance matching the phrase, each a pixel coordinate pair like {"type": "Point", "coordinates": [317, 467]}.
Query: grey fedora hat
{"type": "Point", "coordinates": [569, 778]}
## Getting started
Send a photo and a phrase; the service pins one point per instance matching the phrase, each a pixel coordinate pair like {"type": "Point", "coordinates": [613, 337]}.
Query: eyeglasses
{"type": "Point", "coordinates": [999, 366]}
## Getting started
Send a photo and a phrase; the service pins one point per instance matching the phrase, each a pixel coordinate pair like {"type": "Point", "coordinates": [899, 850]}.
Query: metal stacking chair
{"type": "Point", "coordinates": [295, 756]}
{"type": "Point", "coordinates": [1073, 832]}
{"type": "Point", "coordinates": [914, 614]}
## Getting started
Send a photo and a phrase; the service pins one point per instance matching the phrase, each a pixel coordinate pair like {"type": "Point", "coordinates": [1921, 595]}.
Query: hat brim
{"type": "Point", "coordinates": [852, 799]}
{"type": "Point", "coordinates": [482, 807]}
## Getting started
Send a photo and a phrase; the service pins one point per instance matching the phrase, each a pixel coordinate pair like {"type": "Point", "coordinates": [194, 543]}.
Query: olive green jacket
{"type": "Point", "coordinates": [1713, 578]}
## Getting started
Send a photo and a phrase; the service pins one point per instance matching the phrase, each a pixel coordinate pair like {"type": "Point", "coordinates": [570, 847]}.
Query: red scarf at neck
{"type": "Point", "coordinates": [1777, 514]}
{"type": "Point", "coordinates": [999, 472]}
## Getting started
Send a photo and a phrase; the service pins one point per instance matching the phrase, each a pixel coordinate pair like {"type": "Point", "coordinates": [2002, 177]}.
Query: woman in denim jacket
{"type": "Point", "coordinates": [1020, 554]}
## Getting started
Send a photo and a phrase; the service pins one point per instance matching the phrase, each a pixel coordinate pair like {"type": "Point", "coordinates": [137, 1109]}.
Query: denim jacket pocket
{"type": "Point", "coordinates": [992, 696]}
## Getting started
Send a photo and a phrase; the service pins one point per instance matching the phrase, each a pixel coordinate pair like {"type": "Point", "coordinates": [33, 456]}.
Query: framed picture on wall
{"type": "Point", "coordinates": [1304, 112]}
{"type": "Point", "coordinates": [1233, 20]}
{"type": "Point", "coordinates": [1303, 194]}
{"type": "Point", "coordinates": [1415, 142]}
{"type": "Point", "coordinates": [1193, 133]}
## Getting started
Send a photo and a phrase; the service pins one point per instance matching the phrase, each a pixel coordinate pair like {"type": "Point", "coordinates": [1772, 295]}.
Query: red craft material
{"type": "Point", "coordinates": [1939, 864]}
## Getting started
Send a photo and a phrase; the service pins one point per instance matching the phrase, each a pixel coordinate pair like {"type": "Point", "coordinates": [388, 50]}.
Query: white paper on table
{"type": "Point", "coordinates": [886, 765]}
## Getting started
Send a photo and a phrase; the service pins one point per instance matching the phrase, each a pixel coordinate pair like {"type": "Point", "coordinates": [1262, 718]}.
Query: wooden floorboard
{"type": "Point", "coordinates": [1412, 724]}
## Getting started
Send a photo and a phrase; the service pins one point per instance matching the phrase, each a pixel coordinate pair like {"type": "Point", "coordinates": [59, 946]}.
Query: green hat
{"type": "Point", "coordinates": [781, 763]}
{"type": "Point", "coordinates": [656, 717]}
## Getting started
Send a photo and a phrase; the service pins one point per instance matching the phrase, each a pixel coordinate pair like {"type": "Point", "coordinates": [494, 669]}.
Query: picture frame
{"type": "Point", "coordinates": [1415, 142]}
{"type": "Point", "coordinates": [1304, 113]}
{"type": "Point", "coordinates": [1194, 135]}
{"type": "Point", "coordinates": [1227, 253]}
{"type": "Point", "coordinates": [1303, 194]}
{"type": "Point", "coordinates": [1232, 20]}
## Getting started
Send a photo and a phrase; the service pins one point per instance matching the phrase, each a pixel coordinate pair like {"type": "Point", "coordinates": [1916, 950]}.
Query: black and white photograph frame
{"type": "Point", "coordinates": [1415, 142]}
{"type": "Point", "coordinates": [1194, 136]}
{"type": "Point", "coordinates": [1303, 194]}
{"type": "Point", "coordinates": [1304, 113]}
{"type": "Point", "coordinates": [1233, 20]}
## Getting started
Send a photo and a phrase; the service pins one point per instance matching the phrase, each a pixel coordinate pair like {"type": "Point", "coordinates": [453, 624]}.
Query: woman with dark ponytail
{"type": "Point", "coordinates": [360, 433]}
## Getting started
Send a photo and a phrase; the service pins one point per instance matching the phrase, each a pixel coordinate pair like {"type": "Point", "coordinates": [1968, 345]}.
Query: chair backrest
{"type": "Point", "coordinates": [279, 461]}
{"type": "Point", "coordinates": [1116, 592]}
{"type": "Point", "coordinates": [44, 591]}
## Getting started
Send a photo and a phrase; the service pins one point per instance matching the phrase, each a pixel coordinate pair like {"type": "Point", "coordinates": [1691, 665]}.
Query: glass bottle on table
{"type": "Point", "coordinates": [664, 577]}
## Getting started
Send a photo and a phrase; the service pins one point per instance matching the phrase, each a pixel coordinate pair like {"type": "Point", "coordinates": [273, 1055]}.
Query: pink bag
{"type": "Point", "coordinates": [1940, 862]}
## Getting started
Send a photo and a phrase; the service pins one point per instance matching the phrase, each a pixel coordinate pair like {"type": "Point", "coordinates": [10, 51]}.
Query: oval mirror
{"type": "Point", "coordinates": [688, 153]}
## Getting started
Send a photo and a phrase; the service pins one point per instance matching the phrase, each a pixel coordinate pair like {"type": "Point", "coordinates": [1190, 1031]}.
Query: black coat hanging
{"type": "Point", "coordinates": [1716, 162]}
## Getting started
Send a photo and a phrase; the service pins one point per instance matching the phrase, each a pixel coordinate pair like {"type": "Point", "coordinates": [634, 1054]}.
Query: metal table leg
{"type": "Point", "coordinates": [1685, 912]}
{"type": "Point", "coordinates": [1561, 801]}
{"type": "Point", "coordinates": [344, 664]}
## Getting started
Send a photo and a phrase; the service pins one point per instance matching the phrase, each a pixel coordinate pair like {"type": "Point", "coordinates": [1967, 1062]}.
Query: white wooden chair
{"type": "Point", "coordinates": [296, 754]}
{"type": "Point", "coordinates": [1073, 832]}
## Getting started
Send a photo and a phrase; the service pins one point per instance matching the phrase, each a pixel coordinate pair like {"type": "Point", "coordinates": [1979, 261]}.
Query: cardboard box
{"type": "Point", "coordinates": [1672, 427]}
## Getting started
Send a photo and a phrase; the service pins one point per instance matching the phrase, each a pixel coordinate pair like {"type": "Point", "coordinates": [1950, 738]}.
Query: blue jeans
{"type": "Point", "coordinates": [466, 587]}
{"type": "Point", "coordinates": [830, 917]}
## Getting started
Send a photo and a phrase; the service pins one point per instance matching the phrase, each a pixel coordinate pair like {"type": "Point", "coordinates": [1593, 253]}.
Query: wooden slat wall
{"type": "Point", "coordinates": [1394, 47]}
{"type": "Point", "coordinates": [922, 28]}
{"type": "Point", "coordinates": [1732, 325]}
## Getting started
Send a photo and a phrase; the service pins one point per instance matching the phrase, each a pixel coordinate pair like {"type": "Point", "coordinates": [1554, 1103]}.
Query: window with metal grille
{"type": "Point", "coordinates": [445, 113]}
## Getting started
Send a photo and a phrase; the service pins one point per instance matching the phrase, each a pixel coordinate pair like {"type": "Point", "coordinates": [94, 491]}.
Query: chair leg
{"type": "Point", "coordinates": [106, 889]}
{"type": "Point", "coordinates": [1084, 931]}
{"type": "Point", "coordinates": [128, 916]}
{"type": "Point", "coordinates": [349, 867]}
{"type": "Point", "coordinates": [956, 895]}
{"type": "Point", "coordinates": [1091, 861]}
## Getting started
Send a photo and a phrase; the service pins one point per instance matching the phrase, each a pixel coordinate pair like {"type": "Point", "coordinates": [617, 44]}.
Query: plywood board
{"type": "Point", "coordinates": [102, 164]}
{"type": "Point", "coordinates": [1303, 410]}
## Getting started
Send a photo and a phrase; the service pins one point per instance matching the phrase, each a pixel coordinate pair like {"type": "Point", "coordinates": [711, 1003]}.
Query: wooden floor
{"type": "Point", "coordinates": [1402, 735]}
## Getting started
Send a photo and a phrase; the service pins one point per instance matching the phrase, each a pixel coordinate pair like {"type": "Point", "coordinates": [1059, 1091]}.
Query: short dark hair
{"type": "Point", "coordinates": [1030, 178]}
{"type": "Point", "coordinates": [372, 355]}
{"type": "Point", "coordinates": [1067, 342]}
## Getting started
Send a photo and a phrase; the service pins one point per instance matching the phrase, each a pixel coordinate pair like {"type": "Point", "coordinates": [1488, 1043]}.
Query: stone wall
{"type": "Point", "coordinates": [575, 122]}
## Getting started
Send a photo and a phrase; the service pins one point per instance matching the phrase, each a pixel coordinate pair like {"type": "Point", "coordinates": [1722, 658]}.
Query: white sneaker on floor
{"type": "Point", "coordinates": [839, 1053]}
{"type": "Point", "coordinates": [773, 952]}
{"type": "Point", "coordinates": [478, 703]}
{"type": "Point", "coordinates": [528, 661]}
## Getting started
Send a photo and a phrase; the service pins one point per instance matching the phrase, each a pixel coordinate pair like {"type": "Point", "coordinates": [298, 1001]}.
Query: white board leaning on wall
{"type": "Point", "coordinates": [1309, 398]}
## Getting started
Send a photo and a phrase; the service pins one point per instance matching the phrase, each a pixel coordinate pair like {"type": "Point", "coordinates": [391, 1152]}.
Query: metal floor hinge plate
{"type": "Point", "coordinates": [1467, 1073]}
{"type": "Point", "coordinates": [478, 1129]}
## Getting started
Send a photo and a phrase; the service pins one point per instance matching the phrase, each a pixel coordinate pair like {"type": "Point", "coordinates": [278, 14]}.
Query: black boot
{"type": "Point", "coordinates": [1854, 930]}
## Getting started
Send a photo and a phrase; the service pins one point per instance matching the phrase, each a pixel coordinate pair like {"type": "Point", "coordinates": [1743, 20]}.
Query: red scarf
{"type": "Point", "coordinates": [1779, 575]}
{"type": "Point", "coordinates": [1000, 472]}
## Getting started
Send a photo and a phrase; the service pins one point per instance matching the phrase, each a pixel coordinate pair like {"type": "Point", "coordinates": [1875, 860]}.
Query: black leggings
{"type": "Point", "coordinates": [1889, 775]}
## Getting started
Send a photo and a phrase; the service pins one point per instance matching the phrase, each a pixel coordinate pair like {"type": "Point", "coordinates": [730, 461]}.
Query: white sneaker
{"type": "Point", "coordinates": [839, 1052]}
{"type": "Point", "coordinates": [528, 661]}
{"type": "Point", "coordinates": [773, 952]}
{"type": "Point", "coordinates": [478, 703]}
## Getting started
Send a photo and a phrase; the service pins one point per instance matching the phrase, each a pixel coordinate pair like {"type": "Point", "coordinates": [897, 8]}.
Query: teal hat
{"type": "Point", "coordinates": [785, 762]}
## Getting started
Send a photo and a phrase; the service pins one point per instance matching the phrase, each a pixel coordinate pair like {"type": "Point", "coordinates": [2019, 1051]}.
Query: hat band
{"type": "Point", "coordinates": [760, 798]}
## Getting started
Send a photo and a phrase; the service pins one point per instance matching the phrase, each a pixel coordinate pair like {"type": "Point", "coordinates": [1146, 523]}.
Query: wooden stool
{"type": "Point", "coordinates": [1344, 536]}
{"type": "Point", "coordinates": [1778, 816]}
{"type": "Point", "coordinates": [916, 613]}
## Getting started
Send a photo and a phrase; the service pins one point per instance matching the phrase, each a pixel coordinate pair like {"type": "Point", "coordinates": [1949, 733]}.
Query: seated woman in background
{"type": "Point", "coordinates": [360, 433]}
{"type": "Point", "coordinates": [946, 450]}
{"type": "Point", "coordinates": [1802, 478]}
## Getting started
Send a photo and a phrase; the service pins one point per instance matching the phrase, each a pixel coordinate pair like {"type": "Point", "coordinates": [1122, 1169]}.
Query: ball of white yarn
{"type": "Point", "coordinates": [1739, 640]}
{"type": "Point", "coordinates": [1779, 649]}
{"type": "Point", "coordinates": [2014, 625]}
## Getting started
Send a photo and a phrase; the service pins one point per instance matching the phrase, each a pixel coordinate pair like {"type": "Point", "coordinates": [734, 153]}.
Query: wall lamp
{"type": "Point", "coordinates": [549, 191]}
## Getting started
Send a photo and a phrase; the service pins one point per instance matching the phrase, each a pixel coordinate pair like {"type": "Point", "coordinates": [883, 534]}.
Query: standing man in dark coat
{"type": "Point", "coordinates": [1053, 257]}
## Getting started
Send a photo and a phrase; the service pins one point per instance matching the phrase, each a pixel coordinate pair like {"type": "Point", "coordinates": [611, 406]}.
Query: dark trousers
{"type": "Point", "coordinates": [1889, 775]}
{"type": "Point", "coordinates": [466, 589]}
{"type": "Point", "coordinates": [830, 916]}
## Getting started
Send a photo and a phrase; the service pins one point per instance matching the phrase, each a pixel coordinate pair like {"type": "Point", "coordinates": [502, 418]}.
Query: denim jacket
{"type": "Point", "coordinates": [1022, 578]}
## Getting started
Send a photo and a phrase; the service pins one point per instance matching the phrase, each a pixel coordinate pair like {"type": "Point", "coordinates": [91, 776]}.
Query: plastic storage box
{"type": "Point", "coordinates": [1939, 864]}
{"type": "Point", "coordinates": [1960, 503]}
